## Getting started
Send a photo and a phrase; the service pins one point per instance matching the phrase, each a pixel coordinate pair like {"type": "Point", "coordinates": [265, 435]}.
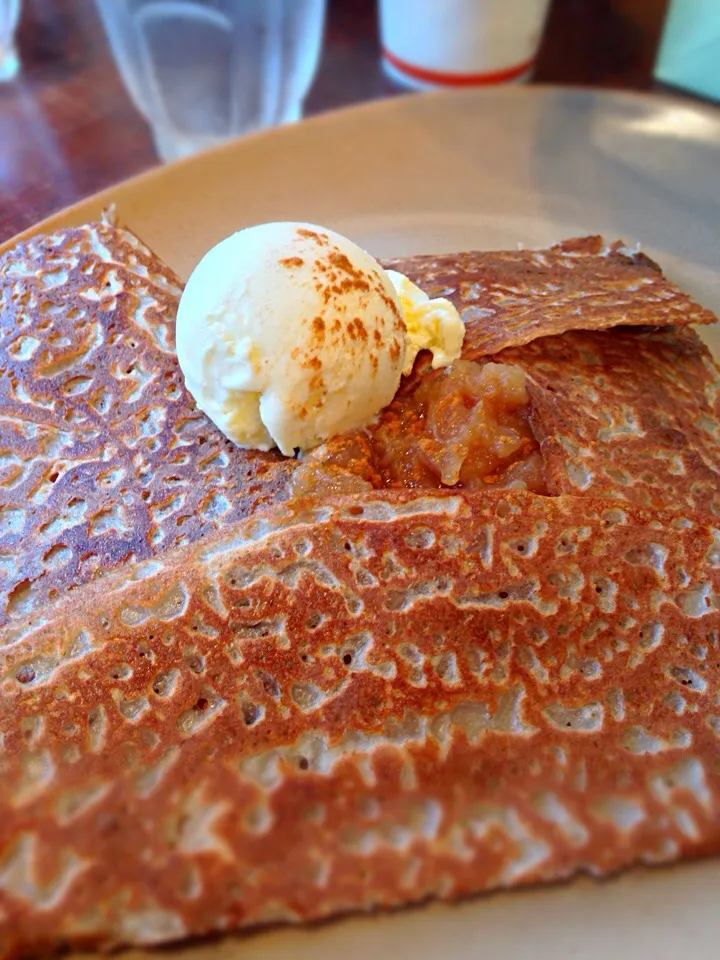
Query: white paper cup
{"type": "Point", "coordinates": [460, 43]}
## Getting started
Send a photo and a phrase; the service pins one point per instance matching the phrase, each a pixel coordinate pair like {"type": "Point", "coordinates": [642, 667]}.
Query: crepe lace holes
{"type": "Point", "coordinates": [25, 674]}
{"type": "Point", "coordinates": [270, 684]}
{"type": "Point", "coordinates": [421, 538]}
{"type": "Point", "coordinates": [314, 620]}
{"type": "Point", "coordinates": [96, 720]}
{"type": "Point", "coordinates": [195, 662]}
{"type": "Point", "coordinates": [302, 547]}
{"type": "Point", "coordinates": [202, 704]}
{"type": "Point", "coordinates": [144, 652]}
{"type": "Point", "coordinates": [251, 713]}
{"type": "Point", "coordinates": [503, 509]}
{"type": "Point", "coordinates": [20, 598]}
{"type": "Point", "coordinates": [121, 671]}
{"type": "Point", "coordinates": [503, 594]}
{"type": "Point", "coordinates": [611, 518]}
{"type": "Point", "coordinates": [526, 547]}
{"type": "Point", "coordinates": [31, 729]}
{"type": "Point", "coordinates": [356, 511]}
{"type": "Point", "coordinates": [347, 659]}
{"type": "Point", "coordinates": [564, 545]}
{"type": "Point", "coordinates": [689, 678]}
{"type": "Point", "coordinates": [164, 684]}
{"type": "Point", "coordinates": [304, 763]}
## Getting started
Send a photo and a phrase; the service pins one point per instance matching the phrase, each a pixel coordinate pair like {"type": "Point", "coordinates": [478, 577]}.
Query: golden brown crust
{"type": "Point", "coordinates": [104, 458]}
{"type": "Point", "coordinates": [361, 705]}
{"type": "Point", "coordinates": [367, 701]}
{"type": "Point", "coordinates": [512, 297]}
{"type": "Point", "coordinates": [632, 414]}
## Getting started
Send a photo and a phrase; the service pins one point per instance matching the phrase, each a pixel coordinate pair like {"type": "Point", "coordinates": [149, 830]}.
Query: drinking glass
{"type": "Point", "coordinates": [201, 71]}
{"type": "Point", "coordinates": [9, 60]}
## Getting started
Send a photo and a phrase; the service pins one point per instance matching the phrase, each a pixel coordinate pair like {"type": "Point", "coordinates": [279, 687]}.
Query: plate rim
{"type": "Point", "coordinates": [104, 198]}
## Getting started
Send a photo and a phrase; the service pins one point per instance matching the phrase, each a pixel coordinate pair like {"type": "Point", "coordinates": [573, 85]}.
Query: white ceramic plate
{"type": "Point", "coordinates": [458, 171]}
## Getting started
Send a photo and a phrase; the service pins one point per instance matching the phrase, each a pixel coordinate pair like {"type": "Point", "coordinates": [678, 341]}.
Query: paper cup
{"type": "Point", "coordinates": [460, 43]}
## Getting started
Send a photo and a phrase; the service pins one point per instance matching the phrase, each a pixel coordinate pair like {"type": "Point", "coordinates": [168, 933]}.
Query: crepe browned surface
{"type": "Point", "coordinates": [632, 415]}
{"type": "Point", "coordinates": [513, 297]}
{"type": "Point", "coordinates": [104, 460]}
{"type": "Point", "coordinates": [362, 702]}
{"type": "Point", "coordinates": [378, 700]}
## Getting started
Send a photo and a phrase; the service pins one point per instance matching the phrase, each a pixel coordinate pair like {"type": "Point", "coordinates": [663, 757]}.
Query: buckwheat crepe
{"type": "Point", "coordinates": [224, 706]}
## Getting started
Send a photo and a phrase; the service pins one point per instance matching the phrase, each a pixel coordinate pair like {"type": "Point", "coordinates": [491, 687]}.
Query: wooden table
{"type": "Point", "coordinates": [67, 127]}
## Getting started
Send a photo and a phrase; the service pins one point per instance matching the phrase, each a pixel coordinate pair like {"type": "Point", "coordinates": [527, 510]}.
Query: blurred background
{"type": "Point", "coordinates": [77, 97]}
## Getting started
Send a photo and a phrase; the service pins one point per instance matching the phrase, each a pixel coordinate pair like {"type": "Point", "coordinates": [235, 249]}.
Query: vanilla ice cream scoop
{"type": "Point", "coordinates": [431, 323]}
{"type": "Point", "coordinates": [288, 334]}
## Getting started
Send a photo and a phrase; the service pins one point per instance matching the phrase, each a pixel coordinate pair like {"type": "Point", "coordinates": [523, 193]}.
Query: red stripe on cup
{"type": "Point", "coordinates": [442, 78]}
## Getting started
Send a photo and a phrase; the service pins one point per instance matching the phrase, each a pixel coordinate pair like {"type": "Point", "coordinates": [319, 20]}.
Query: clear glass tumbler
{"type": "Point", "coordinates": [201, 71]}
{"type": "Point", "coordinates": [9, 60]}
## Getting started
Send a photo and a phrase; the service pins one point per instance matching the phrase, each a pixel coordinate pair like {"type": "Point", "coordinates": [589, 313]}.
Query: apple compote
{"type": "Point", "coordinates": [465, 426]}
